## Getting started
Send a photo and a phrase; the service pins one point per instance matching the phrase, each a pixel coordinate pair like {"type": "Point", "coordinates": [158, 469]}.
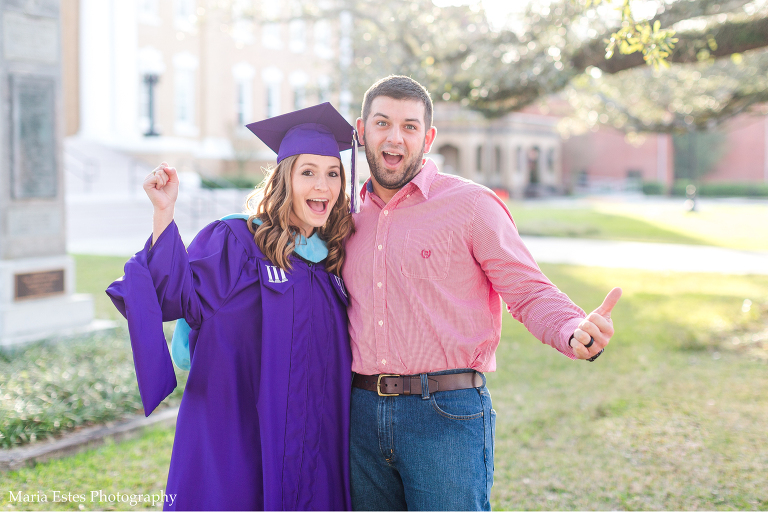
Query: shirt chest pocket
{"type": "Point", "coordinates": [427, 254]}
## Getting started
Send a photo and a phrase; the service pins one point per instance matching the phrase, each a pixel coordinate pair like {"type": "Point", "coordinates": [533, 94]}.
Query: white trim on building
{"type": "Point", "coordinates": [185, 94]}
{"type": "Point", "coordinates": [273, 79]}
{"type": "Point", "coordinates": [243, 74]}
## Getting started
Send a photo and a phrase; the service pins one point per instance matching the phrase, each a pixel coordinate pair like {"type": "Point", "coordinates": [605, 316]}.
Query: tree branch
{"type": "Point", "coordinates": [733, 37]}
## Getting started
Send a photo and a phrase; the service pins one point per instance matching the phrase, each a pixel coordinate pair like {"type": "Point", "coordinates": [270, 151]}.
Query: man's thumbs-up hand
{"type": "Point", "coordinates": [595, 331]}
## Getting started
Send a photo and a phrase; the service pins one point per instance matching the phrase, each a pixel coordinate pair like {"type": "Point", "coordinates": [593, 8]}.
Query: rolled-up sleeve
{"type": "Point", "coordinates": [530, 297]}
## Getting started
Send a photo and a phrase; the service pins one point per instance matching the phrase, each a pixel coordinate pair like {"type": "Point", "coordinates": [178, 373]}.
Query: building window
{"type": "Point", "coordinates": [551, 160]}
{"type": "Point", "coordinates": [185, 96]}
{"type": "Point", "coordinates": [184, 78]}
{"type": "Point", "coordinates": [272, 78]}
{"type": "Point", "coordinates": [273, 99]}
{"type": "Point", "coordinates": [298, 80]}
{"type": "Point", "coordinates": [323, 89]}
{"type": "Point", "coordinates": [534, 163]}
{"type": "Point", "coordinates": [243, 74]}
{"type": "Point", "coordinates": [242, 9]}
{"type": "Point", "coordinates": [322, 33]}
{"type": "Point", "coordinates": [497, 160]}
{"type": "Point", "coordinates": [582, 178]}
{"type": "Point", "coordinates": [520, 159]}
{"type": "Point", "coordinates": [299, 97]}
{"type": "Point", "coordinates": [271, 36]}
{"type": "Point", "coordinates": [184, 14]}
{"type": "Point", "coordinates": [479, 159]}
{"type": "Point", "coordinates": [148, 13]}
{"type": "Point", "coordinates": [242, 22]}
{"type": "Point", "coordinates": [297, 32]}
{"type": "Point", "coordinates": [244, 102]}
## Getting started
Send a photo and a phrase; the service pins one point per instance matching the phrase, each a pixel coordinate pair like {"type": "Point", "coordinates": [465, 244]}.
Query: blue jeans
{"type": "Point", "coordinates": [422, 452]}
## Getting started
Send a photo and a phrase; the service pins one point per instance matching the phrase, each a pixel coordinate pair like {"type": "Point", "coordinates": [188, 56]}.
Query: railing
{"type": "Point", "coordinates": [607, 185]}
{"type": "Point", "coordinates": [87, 168]}
{"type": "Point", "coordinates": [201, 206]}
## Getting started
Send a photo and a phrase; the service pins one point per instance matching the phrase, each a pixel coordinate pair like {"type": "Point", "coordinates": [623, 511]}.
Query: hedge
{"type": "Point", "coordinates": [716, 189]}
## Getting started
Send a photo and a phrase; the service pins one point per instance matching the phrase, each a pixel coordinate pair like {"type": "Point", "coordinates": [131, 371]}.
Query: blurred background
{"type": "Point", "coordinates": [629, 140]}
{"type": "Point", "coordinates": [526, 101]}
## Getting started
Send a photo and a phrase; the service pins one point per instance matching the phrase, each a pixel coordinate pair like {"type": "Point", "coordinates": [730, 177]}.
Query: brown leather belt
{"type": "Point", "coordinates": [393, 385]}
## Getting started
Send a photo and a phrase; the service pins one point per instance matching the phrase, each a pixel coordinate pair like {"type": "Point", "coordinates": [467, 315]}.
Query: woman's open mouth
{"type": "Point", "coordinates": [319, 206]}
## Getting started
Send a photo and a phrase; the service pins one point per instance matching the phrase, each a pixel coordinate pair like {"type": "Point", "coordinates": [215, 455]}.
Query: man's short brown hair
{"type": "Point", "coordinates": [399, 87]}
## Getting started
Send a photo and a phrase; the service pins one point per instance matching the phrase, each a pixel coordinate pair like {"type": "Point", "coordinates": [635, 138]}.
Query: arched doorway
{"type": "Point", "coordinates": [450, 154]}
{"type": "Point", "coordinates": [534, 171]}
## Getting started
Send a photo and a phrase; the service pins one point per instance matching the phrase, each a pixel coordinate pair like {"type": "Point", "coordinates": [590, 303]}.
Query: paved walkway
{"type": "Point", "coordinates": [120, 227]}
{"type": "Point", "coordinates": [651, 256]}
{"type": "Point", "coordinates": [117, 238]}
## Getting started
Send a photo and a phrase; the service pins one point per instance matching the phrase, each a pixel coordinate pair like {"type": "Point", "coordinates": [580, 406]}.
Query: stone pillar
{"type": "Point", "coordinates": [37, 278]}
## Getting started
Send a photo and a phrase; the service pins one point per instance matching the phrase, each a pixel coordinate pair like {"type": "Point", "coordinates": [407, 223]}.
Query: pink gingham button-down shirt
{"type": "Point", "coordinates": [426, 275]}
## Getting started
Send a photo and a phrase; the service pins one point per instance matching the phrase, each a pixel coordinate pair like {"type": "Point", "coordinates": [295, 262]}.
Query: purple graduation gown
{"type": "Point", "coordinates": [264, 420]}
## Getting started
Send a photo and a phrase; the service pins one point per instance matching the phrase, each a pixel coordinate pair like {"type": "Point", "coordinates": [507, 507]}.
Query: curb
{"type": "Point", "coordinates": [91, 437]}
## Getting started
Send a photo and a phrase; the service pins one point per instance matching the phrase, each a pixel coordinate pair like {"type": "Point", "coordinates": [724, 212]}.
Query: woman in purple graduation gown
{"type": "Point", "coordinates": [264, 420]}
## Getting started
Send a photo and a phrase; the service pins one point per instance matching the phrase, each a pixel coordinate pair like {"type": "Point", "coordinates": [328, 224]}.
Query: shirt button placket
{"type": "Point", "coordinates": [382, 347]}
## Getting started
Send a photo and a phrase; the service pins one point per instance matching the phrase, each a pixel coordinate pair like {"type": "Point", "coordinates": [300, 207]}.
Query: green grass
{"type": "Point", "coordinates": [93, 274]}
{"type": "Point", "coordinates": [138, 466]}
{"type": "Point", "coordinates": [671, 417]}
{"type": "Point", "coordinates": [737, 226]}
{"type": "Point", "coordinates": [588, 223]}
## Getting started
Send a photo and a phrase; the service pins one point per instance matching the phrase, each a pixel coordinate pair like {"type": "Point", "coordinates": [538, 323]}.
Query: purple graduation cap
{"type": "Point", "coordinates": [318, 130]}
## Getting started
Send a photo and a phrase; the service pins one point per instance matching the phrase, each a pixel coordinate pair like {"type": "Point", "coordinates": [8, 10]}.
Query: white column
{"type": "Point", "coordinates": [96, 77]}
{"type": "Point", "coordinates": [126, 74]}
{"type": "Point", "coordinates": [108, 70]}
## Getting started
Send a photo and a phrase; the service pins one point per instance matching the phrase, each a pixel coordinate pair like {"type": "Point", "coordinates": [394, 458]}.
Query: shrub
{"type": "Point", "coordinates": [49, 388]}
{"type": "Point", "coordinates": [230, 182]}
{"type": "Point", "coordinates": [723, 189]}
{"type": "Point", "coordinates": [653, 188]}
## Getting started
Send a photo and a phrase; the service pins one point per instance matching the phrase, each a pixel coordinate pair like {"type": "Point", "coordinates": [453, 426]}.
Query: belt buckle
{"type": "Point", "coordinates": [378, 384]}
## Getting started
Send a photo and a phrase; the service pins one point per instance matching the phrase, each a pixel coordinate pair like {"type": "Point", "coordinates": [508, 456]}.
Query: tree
{"type": "Point", "coordinates": [697, 153]}
{"type": "Point", "coordinates": [717, 58]}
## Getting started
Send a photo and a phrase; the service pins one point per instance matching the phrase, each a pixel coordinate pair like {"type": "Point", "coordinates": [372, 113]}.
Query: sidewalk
{"type": "Point", "coordinates": [571, 251]}
{"type": "Point", "coordinates": [650, 256]}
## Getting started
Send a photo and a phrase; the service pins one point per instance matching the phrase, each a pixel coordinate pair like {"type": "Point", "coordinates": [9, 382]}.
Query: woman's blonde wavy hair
{"type": "Point", "coordinates": [277, 234]}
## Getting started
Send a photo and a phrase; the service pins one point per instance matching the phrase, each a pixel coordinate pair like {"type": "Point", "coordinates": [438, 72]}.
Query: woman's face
{"type": "Point", "coordinates": [316, 183]}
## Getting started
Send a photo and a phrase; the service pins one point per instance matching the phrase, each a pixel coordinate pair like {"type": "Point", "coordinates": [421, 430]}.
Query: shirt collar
{"type": "Point", "coordinates": [423, 180]}
{"type": "Point", "coordinates": [426, 176]}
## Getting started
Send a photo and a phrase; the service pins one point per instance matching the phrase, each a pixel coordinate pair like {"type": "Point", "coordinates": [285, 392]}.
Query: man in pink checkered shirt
{"type": "Point", "coordinates": [432, 259]}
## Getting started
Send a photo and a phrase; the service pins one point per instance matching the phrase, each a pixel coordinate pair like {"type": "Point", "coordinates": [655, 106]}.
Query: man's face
{"type": "Point", "coordinates": [395, 140]}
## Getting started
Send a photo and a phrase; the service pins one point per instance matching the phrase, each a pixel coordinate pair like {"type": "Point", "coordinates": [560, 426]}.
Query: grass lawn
{"type": "Point", "coordinates": [737, 226]}
{"type": "Point", "coordinates": [93, 275]}
{"type": "Point", "coordinates": [671, 417]}
{"type": "Point", "coordinates": [136, 466]}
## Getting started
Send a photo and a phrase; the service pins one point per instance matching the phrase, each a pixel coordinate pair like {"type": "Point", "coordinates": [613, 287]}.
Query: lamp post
{"type": "Point", "coordinates": [150, 80]}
